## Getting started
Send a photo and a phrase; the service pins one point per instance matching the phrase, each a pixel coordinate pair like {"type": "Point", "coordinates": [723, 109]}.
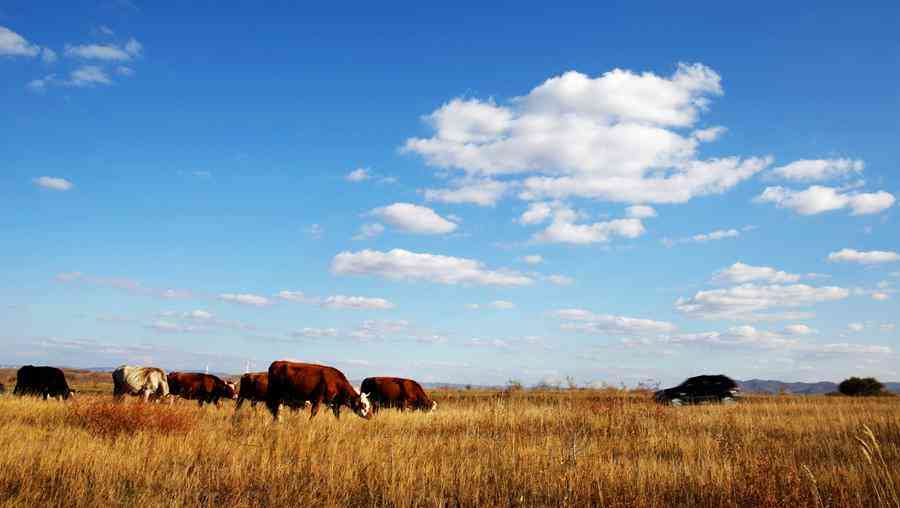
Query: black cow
{"type": "Point", "coordinates": [698, 389]}
{"type": "Point", "coordinates": [43, 381]}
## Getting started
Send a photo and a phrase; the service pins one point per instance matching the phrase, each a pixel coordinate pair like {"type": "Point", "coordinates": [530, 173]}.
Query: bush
{"type": "Point", "coordinates": [861, 387]}
{"type": "Point", "coordinates": [111, 419]}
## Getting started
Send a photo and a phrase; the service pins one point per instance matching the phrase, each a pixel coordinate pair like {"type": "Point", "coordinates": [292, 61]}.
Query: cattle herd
{"type": "Point", "coordinates": [291, 384]}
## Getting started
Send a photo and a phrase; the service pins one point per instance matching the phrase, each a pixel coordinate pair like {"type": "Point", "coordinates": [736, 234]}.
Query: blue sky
{"type": "Point", "coordinates": [469, 194]}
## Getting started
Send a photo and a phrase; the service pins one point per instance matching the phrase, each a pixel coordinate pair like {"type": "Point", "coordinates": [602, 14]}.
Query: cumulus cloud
{"type": "Point", "coordinates": [105, 52]}
{"type": "Point", "coordinates": [863, 257]}
{"type": "Point", "coordinates": [880, 296]}
{"type": "Point", "coordinates": [245, 299]}
{"type": "Point", "coordinates": [54, 183]}
{"type": "Point", "coordinates": [399, 264]}
{"type": "Point", "coordinates": [640, 212]}
{"type": "Point", "coordinates": [358, 175]}
{"type": "Point", "coordinates": [718, 234]}
{"type": "Point", "coordinates": [502, 305]}
{"type": "Point", "coordinates": [356, 302]}
{"type": "Point", "coordinates": [564, 229]}
{"type": "Point", "coordinates": [751, 302]}
{"type": "Point", "coordinates": [709, 134]}
{"type": "Point", "coordinates": [480, 191]}
{"type": "Point", "coordinates": [88, 75]}
{"type": "Point", "coordinates": [738, 336]}
{"type": "Point", "coordinates": [369, 230]}
{"type": "Point", "coordinates": [611, 325]}
{"type": "Point", "coordinates": [533, 259]}
{"type": "Point", "coordinates": [48, 55]}
{"type": "Point", "coordinates": [414, 219]}
{"type": "Point", "coordinates": [819, 199]}
{"type": "Point", "coordinates": [740, 273]}
{"type": "Point", "coordinates": [13, 44]}
{"type": "Point", "coordinates": [806, 170]}
{"type": "Point", "coordinates": [559, 280]}
{"type": "Point", "coordinates": [125, 284]}
{"type": "Point", "coordinates": [856, 327]}
{"type": "Point", "coordinates": [798, 330]}
{"type": "Point", "coordinates": [612, 137]}
{"type": "Point", "coordinates": [315, 333]}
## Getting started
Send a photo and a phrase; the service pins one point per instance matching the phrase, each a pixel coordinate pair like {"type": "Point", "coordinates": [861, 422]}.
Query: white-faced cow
{"type": "Point", "coordinates": [294, 384]}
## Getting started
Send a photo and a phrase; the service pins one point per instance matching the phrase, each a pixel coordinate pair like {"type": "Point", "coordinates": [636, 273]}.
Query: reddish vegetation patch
{"type": "Point", "coordinates": [112, 419]}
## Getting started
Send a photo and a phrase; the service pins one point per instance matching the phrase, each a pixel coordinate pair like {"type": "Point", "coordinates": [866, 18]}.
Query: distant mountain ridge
{"type": "Point", "coordinates": [819, 388]}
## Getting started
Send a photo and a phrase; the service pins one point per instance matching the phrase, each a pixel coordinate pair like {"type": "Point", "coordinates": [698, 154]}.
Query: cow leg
{"type": "Point", "coordinates": [200, 402]}
{"type": "Point", "coordinates": [145, 394]}
{"type": "Point", "coordinates": [314, 409]}
{"type": "Point", "coordinates": [240, 402]}
{"type": "Point", "coordinates": [336, 409]}
{"type": "Point", "coordinates": [273, 407]}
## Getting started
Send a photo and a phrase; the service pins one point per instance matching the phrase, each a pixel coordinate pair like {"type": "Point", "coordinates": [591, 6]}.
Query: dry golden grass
{"type": "Point", "coordinates": [573, 448]}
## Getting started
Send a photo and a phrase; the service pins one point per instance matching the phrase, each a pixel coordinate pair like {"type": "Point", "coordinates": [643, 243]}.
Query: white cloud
{"type": "Point", "coordinates": [50, 182]}
{"type": "Point", "coordinates": [613, 137]}
{"type": "Point", "coordinates": [482, 192]}
{"type": "Point", "coordinates": [536, 213]}
{"type": "Point", "coordinates": [356, 302]}
{"type": "Point", "coordinates": [798, 330]}
{"type": "Point", "coordinates": [198, 315]}
{"type": "Point", "coordinates": [607, 324]}
{"type": "Point", "coordinates": [710, 134]}
{"type": "Point", "coordinates": [379, 329]}
{"type": "Point", "coordinates": [845, 348]}
{"type": "Point", "coordinates": [296, 296]}
{"type": "Point", "coordinates": [819, 199]}
{"type": "Point", "coordinates": [718, 234]}
{"type": "Point", "coordinates": [40, 85]}
{"type": "Point", "coordinates": [124, 70]}
{"type": "Point", "coordinates": [246, 299]}
{"type": "Point", "coordinates": [863, 257]}
{"type": "Point", "coordinates": [315, 333]}
{"type": "Point", "coordinates": [502, 305]}
{"type": "Point", "coordinates": [169, 327]}
{"type": "Point", "coordinates": [745, 336]}
{"type": "Point", "coordinates": [88, 75]}
{"type": "Point", "coordinates": [533, 259]}
{"type": "Point", "coordinates": [48, 55]}
{"type": "Point", "coordinates": [881, 296]}
{"type": "Point", "coordinates": [369, 230]}
{"type": "Point", "coordinates": [472, 306]}
{"type": "Point", "coordinates": [814, 170]}
{"type": "Point", "coordinates": [559, 280]}
{"type": "Point", "coordinates": [399, 264]}
{"type": "Point", "coordinates": [97, 52]}
{"type": "Point", "coordinates": [358, 175]}
{"type": "Point", "coordinates": [13, 44]}
{"type": "Point", "coordinates": [315, 231]}
{"type": "Point", "coordinates": [562, 231]}
{"type": "Point", "coordinates": [887, 327]}
{"type": "Point", "coordinates": [133, 47]}
{"type": "Point", "coordinates": [740, 273]}
{"type": "Point", "coordinates": [640, 212]}
{"type": "Point", "coordinates": [856, 327]}
{"type": "Point", "coordinates": [750, 302]}
{"type": "Point", "coordinates": [414, 219]}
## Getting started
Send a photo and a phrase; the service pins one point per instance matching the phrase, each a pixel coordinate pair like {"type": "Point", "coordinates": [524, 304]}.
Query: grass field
{"type": "Point", "coordinates": [524, 448]}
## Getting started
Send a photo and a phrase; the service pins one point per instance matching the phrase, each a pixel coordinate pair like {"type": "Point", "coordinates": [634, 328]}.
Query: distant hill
{"type": "Point", "coordinates": [774, 386]}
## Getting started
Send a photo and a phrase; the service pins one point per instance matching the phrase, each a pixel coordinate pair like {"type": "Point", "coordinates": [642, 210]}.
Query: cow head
{"type": "Point", "coordinates": [363, 407]}
{"type": "Point", "coordinates": [231, 390]}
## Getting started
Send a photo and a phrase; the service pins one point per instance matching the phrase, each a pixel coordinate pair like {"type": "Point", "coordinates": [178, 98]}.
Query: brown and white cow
{"type": "Point", "coordinates": [200, 387]}
{"type": "Point", "coordinates": [144, 381]}
{"type": "Point", "coordinates": [294, 384]}
{"type": "Point", "coordinates": [397, 392]}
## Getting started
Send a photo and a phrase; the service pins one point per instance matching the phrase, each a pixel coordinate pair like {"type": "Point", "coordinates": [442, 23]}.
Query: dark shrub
{"type": "Point", "coordinates": [861, 387]}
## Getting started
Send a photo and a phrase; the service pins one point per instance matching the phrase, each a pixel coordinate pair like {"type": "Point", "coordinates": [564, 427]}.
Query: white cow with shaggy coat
{"type": "Point", "coordinates": [144, 381]}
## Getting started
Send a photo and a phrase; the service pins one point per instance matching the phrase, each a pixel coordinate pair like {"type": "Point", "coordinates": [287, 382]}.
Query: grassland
{"type": "Point", "coordinates": [525, 448]}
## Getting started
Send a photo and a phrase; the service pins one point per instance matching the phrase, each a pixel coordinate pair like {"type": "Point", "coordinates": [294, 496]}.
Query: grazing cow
{"type": "Point", "coordinates": [200, 387]}
{"type": "Point", "coordinates": [144, 381]}
{"type": "Point", "coordinates": [397, 392]}
{"type": "Point", "coordinates": [295, 384]}
{"type": "Point", "coordinates": [253, 388]}
{"type": "Point", "coordinates": [2, 389]}
{"type": "Point", "coordinates": [44, 381]}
